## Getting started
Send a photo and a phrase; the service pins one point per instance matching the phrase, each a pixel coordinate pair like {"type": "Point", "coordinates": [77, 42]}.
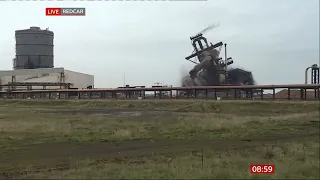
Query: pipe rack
{"type": "Point", "coordinates": [249, 92]}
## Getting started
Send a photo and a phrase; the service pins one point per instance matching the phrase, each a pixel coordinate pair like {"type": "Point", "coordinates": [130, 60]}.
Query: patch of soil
{"type": "Point", "coordinates": [110, 112]}
{"type": "Point", "coordinates": [59, 152]}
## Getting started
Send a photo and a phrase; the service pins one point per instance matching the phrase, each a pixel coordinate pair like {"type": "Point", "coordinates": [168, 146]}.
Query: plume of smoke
{"type": "Point", "coordinates": [210, 27]}
{"type": "Point", "coordinates": [186, 81]}
{"type": "Point", "coordinates": [200, 80]}
{"type": "Point", "coordinates": [185, 78]}
{"type": "Point", "coordinates": [236, 76]}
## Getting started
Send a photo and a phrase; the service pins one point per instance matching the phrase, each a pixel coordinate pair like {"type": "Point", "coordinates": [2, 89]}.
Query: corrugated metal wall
{"type": "Point", "coordinates": [80, 80]}
{"type": "Point", "coordinates": [34, 49]}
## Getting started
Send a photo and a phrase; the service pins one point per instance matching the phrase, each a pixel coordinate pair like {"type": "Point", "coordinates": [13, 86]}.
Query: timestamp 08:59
{"type": "Point", "coordinates": [261, 169]}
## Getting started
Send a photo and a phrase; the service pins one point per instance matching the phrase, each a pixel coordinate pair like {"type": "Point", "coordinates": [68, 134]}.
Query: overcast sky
{"type": "Point", "coordinates": [275, 39]}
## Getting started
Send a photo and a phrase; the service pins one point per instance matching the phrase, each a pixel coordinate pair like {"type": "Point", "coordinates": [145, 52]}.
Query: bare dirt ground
{"type": "Point", "coordinates": [137, 148]}
{"type": "Point", "coordinates": [47, 155]}
{"type": "Point", "coordinates": [112, 112]}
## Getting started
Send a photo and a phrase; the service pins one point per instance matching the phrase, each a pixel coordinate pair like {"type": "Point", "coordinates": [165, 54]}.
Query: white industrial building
{"type": "Point", "coordinates": [46, 75]}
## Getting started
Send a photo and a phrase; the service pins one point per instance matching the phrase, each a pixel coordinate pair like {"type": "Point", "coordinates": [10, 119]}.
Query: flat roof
{"type": "Point", "coordinates": [18, 72]}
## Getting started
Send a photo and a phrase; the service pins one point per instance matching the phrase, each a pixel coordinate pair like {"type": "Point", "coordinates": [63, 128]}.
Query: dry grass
{"type": "Point", "coordinates": [23, 123]}
{"type": "Point", "coordinates": [292, 160]}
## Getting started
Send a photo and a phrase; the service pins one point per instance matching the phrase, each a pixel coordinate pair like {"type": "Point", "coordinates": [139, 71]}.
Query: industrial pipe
{"type": "Point", "coordinates": [306, 75]}
{"type": "Point", "coordinates": [225, 56]}
{"type": "Point", "coordinates": [313, 67]}
{"type": "Point", "coordinates": [226, 63]}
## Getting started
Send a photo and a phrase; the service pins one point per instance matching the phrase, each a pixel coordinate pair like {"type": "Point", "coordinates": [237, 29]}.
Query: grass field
{"type": "Point", "coordinates": [157, 139]}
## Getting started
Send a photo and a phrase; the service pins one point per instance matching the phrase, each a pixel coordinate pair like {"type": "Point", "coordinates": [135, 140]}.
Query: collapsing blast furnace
{"type": "Point", "coordinates": [212, 70]}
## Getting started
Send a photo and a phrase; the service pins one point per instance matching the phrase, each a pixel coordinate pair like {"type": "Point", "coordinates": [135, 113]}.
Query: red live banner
{"type": "Point", "coordinates": [65, 11]}
{"type": "Point", "coordinates": [261, 169]}
{"type": "Point", "coordinates": [53, 11]}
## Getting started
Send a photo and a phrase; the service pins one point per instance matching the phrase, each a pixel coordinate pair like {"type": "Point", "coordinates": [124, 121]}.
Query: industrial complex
{"type": "Point", "coordinates": [34, 76]}
{"type": "Point", "coordinates": [33, 65]}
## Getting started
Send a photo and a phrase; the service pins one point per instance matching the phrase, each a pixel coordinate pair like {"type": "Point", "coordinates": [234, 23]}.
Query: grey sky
{"type": "Point", "coordinates": [275, 39]}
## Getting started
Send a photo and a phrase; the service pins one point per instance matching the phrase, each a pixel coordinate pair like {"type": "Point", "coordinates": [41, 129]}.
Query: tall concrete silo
{"type": "Point", "coordinates": [34, 49]}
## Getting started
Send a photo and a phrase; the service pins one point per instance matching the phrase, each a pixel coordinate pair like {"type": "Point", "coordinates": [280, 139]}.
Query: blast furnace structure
{"type": "Point", "coordinates": [211, 69]}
